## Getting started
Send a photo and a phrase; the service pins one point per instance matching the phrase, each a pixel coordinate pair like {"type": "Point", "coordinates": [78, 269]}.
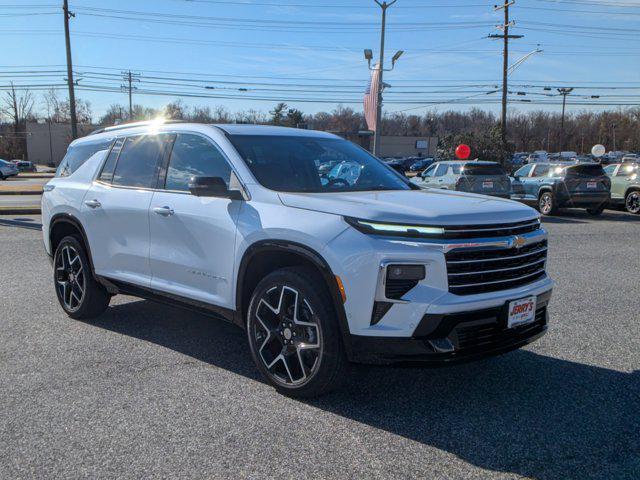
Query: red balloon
{"type": "Point", "coordinates": [463, 151]}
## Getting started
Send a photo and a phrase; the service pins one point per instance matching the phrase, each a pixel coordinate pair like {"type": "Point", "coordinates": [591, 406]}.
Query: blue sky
{"type": "Point", "coordinates": [312, 50]}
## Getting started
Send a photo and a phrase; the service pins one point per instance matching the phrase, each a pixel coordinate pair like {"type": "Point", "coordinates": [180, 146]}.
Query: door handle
{"type": "Point", "coordinates": [164, 211]}
{"type": "Point", "coordinates": [92, 203]}
{"type": "Point", "coordinates": [441, 180]}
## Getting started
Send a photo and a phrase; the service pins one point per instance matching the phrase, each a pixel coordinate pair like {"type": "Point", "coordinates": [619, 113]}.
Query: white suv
{"type": "Point", "coordinates": [239, 221]}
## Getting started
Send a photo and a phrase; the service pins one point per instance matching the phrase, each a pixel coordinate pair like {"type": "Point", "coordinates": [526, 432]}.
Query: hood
{"type": "Point", "coordinates": [428, 207]}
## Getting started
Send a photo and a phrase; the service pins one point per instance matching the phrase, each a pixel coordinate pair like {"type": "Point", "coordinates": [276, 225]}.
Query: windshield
{"type": "Point", "coordinates": [310, 164]}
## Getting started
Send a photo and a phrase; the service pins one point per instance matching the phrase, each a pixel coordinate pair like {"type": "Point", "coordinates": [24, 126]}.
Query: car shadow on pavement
{"type": "Point", "coordinates": [521, 413]}
{"type": "Point", "coordinates": [27, 223]}
{"type": "Point", "coordinates": [581, 216]}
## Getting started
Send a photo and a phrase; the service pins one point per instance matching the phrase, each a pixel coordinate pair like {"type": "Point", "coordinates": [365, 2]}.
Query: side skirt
{"type": "Point", "coordinates": [165, 298]}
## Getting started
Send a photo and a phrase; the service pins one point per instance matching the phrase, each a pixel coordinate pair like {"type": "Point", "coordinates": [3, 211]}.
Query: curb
{"type": "Point", "coordinates": [20, 211]}
{"type": "Point", "coordinates": [20, 192]}
{"type": "Point", "coordinates": [36, 175]}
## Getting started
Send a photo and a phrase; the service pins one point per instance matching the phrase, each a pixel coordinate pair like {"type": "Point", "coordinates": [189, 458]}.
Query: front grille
{"type": "Point", "coordinates": [479, 271]}
{"type": "Point", "coordinates": [490, 336]}
{"type": "Point", "coordinates": [487, 231]}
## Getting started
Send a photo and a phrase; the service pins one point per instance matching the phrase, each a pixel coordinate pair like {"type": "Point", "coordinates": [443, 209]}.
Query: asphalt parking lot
{"type": "Point", "coordinates": [151, 391]}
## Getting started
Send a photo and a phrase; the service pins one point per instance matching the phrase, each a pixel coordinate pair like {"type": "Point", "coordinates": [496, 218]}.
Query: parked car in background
{"type": "Point", "coordinates": [519, 159]}
{"type": "Point", "coordinates": [8, 169]}
{"type": "Point", "coordinates": [486, 178]}
{"type": "Point", "coordinates": [400, 165]}
{"type": "Point", "coordinates": [421, 164]}
{"type": "Point", "coordinates": [550, 187]}
{"type": "Point", "coordinates": [625, 185]}
{"type": "Point", "coordinates": [25, 166]}
{"type": "Point", "coordinates": [538, 156]}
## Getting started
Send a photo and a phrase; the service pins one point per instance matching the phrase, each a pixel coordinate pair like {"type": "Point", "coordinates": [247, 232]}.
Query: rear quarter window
{"type": "Point", "coordinates": [78, 154]}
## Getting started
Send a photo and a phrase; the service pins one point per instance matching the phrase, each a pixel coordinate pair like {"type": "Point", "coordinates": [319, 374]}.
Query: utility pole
{"type": "Point", "coordinates": [368, 56]}
{"type": "Point", "coordinates": [564, 92]}
{"type": "Point", "coordinates": [505, 64]}
{"type": "Point", "coordinates": [72, 94]}
{"type": "Point", "coordinates": [613, 126]}
{"type": "Point", "coordinates": [129, 78]}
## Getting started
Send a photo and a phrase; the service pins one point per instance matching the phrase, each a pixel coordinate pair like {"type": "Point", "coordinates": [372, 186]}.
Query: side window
{"type": "Point", "coordinates": [78, 154]}
{"type": "Point", "coordinates": [138, 161]}
{"type": "Point", "coordinates": [456, 169]}
{"type": "Point", "coordinates": [541, 170]}
{"type": "Point", "coordinates": [524, 171]}
{"type": "Point", "coordinates": [441, 170]}
{"type": "Point", "coordinates": [609, 169]}
{"type": "Point", "coordinates": [626, 170]}
{"type": "Point", "coordinates": [106, 175]}
{"type": "Point", "coordinates": [193, 155]}
{"type": "Point", "coordinates": [429, 171]}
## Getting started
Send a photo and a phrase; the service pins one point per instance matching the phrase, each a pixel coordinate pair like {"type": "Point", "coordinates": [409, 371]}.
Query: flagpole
{"type": "Point", "coordinates": [378, 124]}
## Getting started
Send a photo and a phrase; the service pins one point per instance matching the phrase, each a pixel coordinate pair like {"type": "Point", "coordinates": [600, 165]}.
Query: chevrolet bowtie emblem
{"type": "Point", "coordinates": [518, 242]}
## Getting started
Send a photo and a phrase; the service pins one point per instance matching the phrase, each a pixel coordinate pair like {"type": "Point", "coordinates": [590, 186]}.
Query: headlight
{"type": "Point", "coordinates": [380, 228]}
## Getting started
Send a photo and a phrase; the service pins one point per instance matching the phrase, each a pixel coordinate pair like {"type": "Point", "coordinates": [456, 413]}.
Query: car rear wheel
{"type": "Point", "coordinates": [596, 210]}
{"type": "Point", "coordinates": [294, 335]}
{"type": "Point", "coordinates": [80, 296]}
{"type": "Point", "coordinates": [632, 202]}
{"type": "Point", "coordinates": [547, 204]}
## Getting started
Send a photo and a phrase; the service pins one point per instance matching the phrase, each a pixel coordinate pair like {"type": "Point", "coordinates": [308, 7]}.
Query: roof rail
{"type": "Point", "coordinates": [134, 124]}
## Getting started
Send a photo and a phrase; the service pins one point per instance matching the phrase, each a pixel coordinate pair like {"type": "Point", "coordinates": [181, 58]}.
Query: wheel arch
{"type": "Point", "coordinates": [632, 188]}
{"type": "Point", "coordinates": [64, 224]}
{"type": "Point", "coordinates": [266, 256]}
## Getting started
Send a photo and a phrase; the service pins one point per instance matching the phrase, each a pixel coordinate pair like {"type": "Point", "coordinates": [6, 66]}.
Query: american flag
{"type": "Point", "coordinates": [371, 98]}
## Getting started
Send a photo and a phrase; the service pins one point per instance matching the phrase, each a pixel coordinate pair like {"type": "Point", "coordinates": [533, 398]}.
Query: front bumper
{"type": "Point", "coordinates": [453, 338]}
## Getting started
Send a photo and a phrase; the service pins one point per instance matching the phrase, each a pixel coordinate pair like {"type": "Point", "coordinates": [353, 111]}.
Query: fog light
{"type": "Point", "coordinates": [406, 272]}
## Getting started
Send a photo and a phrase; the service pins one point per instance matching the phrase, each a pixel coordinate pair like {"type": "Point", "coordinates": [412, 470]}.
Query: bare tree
{"type": "Point", "coordinates": [18, 108]}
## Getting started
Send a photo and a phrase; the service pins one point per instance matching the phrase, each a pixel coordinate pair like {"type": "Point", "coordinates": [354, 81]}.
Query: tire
{"type": "Point", "coordinates": [547, 203]}
{"type": "Point", "coordinates": [632, 202]}
{"type": "Point", "coordinates": [277, 330]}
{"type": "Point", "coordinates": [595, 211]}
{"type": "Point", "coordinates": [79, 295]}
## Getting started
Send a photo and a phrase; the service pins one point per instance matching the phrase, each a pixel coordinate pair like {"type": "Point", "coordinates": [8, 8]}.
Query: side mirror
{"type": "Point", "coordinates": [212, 187]}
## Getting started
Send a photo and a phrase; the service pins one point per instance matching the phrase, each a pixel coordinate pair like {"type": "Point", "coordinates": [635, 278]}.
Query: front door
{"type": "Point", "coordinates": [192, 244]}
{"type": "Point", "coordinates": [116, 209]}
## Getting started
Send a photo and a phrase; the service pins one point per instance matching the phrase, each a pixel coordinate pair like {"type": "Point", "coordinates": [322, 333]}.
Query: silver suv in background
{"type": "Point", "coordinates": [486, 178]}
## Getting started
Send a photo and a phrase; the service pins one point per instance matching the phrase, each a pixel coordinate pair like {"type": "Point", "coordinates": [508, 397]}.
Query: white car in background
{"type": "Point", "coordinates": [8, 169]}
{"type": "Point", "coordinates": [238, 221]}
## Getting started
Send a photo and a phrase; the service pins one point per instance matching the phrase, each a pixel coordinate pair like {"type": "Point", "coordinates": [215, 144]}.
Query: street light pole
{"type": "Point", "coordinates": [564, 92]}
{"type": "Point", "coordinates": [72, 95]}
{"type": "Point", "coordinates": [368, 55]}
{"type": "Point", "coordinates": [376, 135]}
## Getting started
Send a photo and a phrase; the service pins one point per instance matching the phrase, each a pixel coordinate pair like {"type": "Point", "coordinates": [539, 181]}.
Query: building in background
{"type": "Point", "coordinates": [47, 142]}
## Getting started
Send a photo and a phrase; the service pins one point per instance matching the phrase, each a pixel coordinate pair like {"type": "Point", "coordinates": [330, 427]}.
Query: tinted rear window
{"type": "Point", "coordinates": [471, 169]}
{"type": "Point", "coordinates": [78, 154]}
{"type": "Point", "coordinates": [588, 170]}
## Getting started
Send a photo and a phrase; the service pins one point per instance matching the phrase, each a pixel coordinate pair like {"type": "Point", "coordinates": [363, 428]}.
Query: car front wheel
{"type": "Point", "coordinates": [632, 202]}
{"type": "Point", "coordinates": [80, 296]}
{"type": "Point", "coordinates": [294, 335]}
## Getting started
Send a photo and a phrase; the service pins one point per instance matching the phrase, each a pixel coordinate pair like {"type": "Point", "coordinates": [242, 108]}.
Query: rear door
{"type": "Point", "coordinates": [192, 240]}
{"type": "Point", "coordinates": [535, 180]}
{"type": "Point", "coordinates": [439, 178]}
{"type": "Point", "coordinates": [116, 208]}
